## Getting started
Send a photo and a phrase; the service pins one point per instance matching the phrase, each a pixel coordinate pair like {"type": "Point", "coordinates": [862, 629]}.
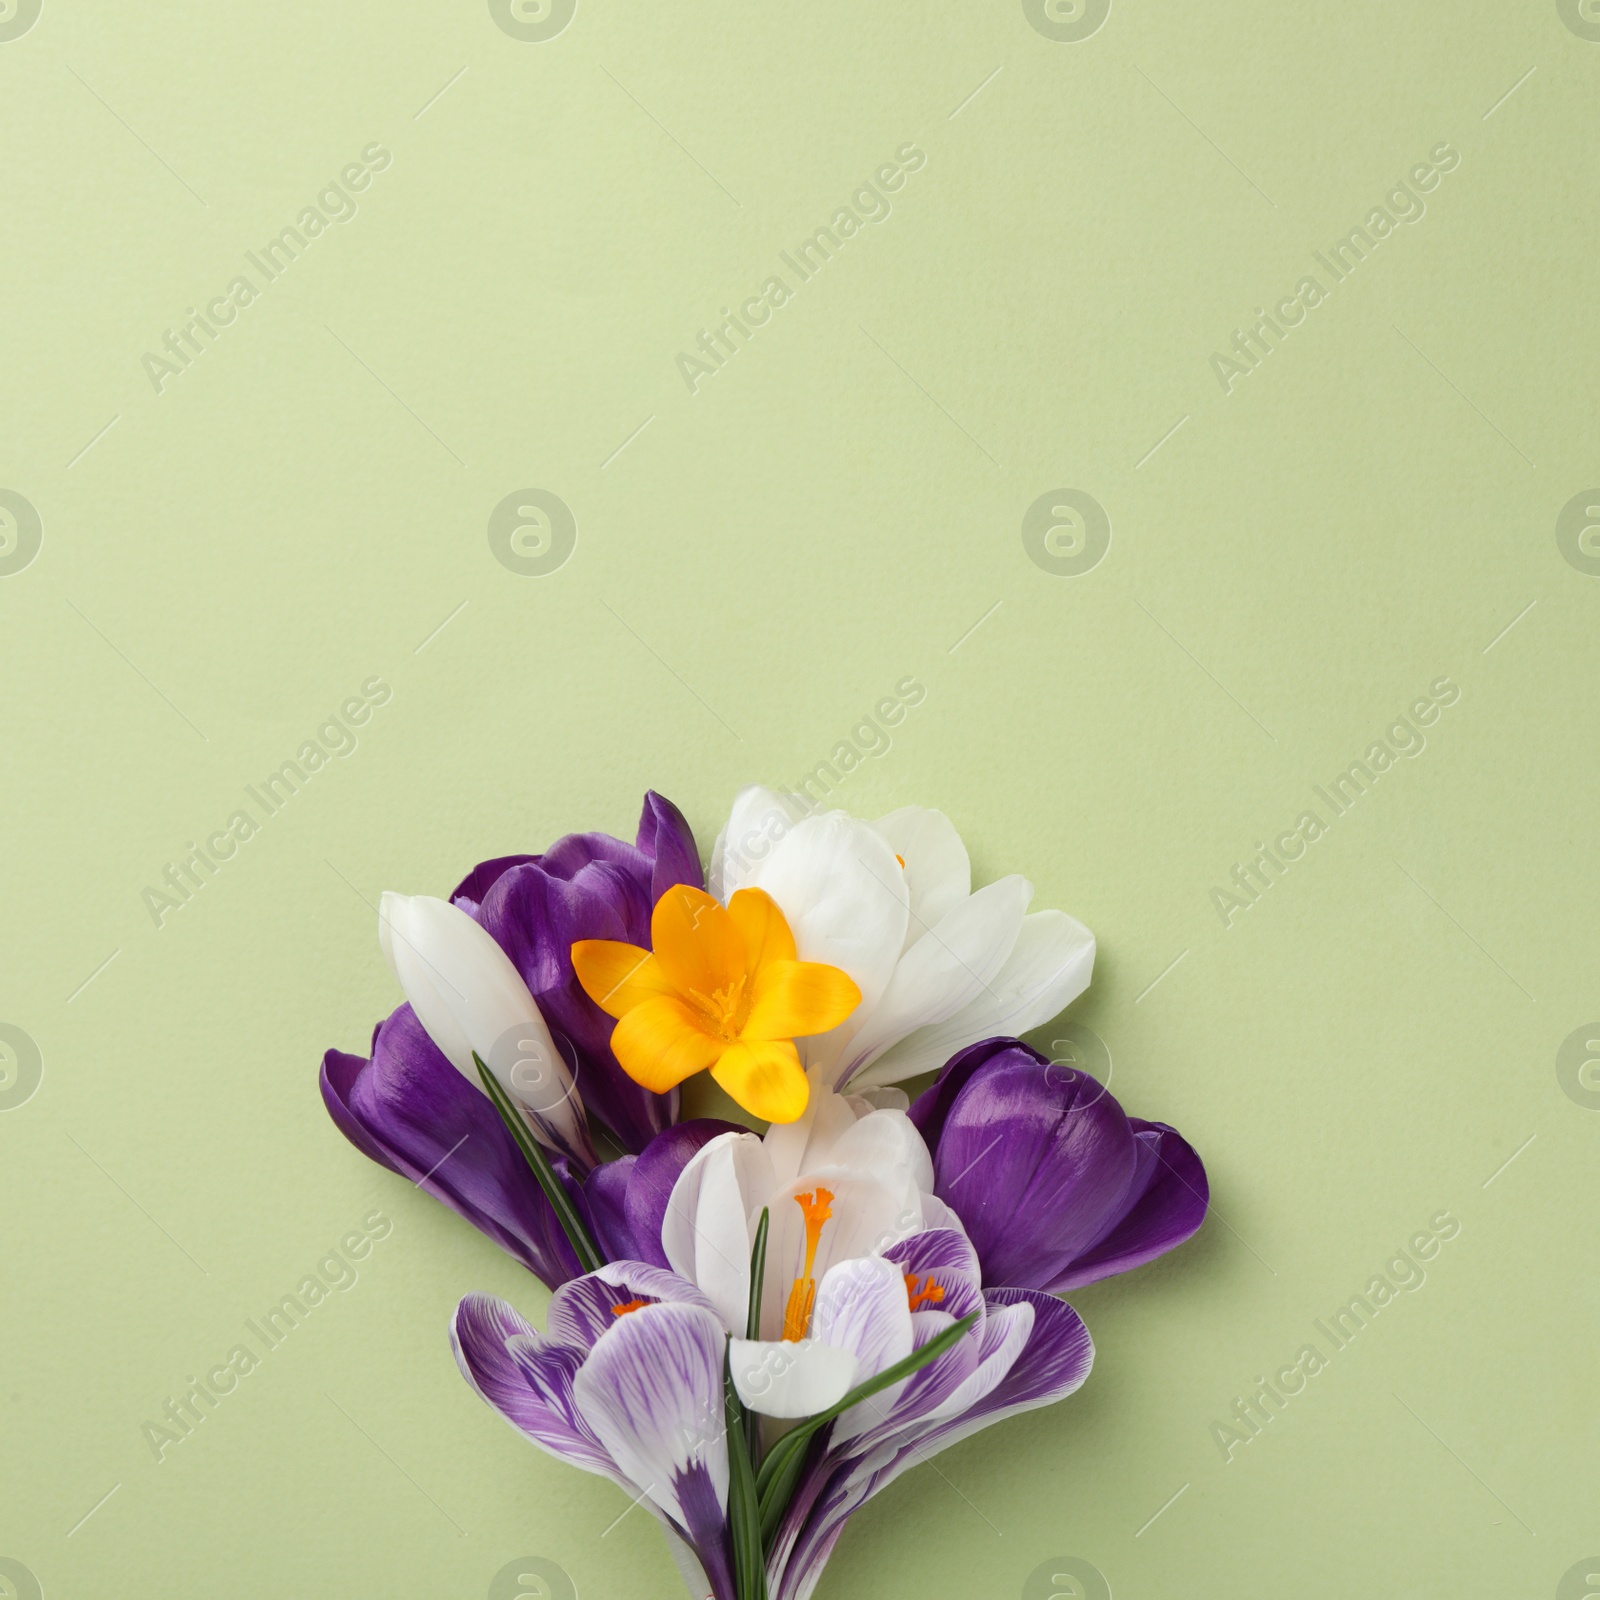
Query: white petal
{"type": "Point", "coordinates": [802, 1145]}
{"type": "Point", "coordinates": [843, 895]}
{"type": "Point", "coordinates": [782, 1378]}
{"type": "Point", "coordinates": [759, 819]}
{"type": "Point", "coordinates": [1049, 967]}
{"type": "Point", "coordinates": [862, 1308]}
{"type": "Point", "coordinates": [706, 1232]}
{"type": "Point", "coordinates": [470, 998]}
{"type": "Point", "coordinates": [949, 967]}
{"type": "Point", "coordinates": [883, 1097]}
{"type": "Point", "coordinates": [938, 873]}
{"type": "Point", "coordinates": [885, 1146]}
{"type": "Point", "coordinates": [868, 1216]}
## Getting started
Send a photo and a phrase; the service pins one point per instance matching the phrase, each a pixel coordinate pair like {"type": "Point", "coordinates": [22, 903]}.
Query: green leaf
{"type": "Point", "coordinates": [781, 1470]}
{"type": "Point", "coordinates": [744, 1508]}
{"type": "Point", "coordinates": [752, 1324]}
{"type": "Point", "coordinates": [578, 1236]}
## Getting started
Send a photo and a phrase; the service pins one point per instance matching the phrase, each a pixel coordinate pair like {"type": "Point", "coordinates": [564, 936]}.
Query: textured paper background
{"type": "Point", "coordinates": [840, 507]}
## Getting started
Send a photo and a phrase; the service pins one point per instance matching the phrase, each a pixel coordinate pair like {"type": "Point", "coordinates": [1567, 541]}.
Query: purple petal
{"type": "Point", "coordinates": [529, 1382]}
{"type": "Point", "coordinates": [948, 1259]}
{"type": "Point", "coordinates": [1054, 1184]}
{"type": "Point", "coordinates": [592, 886]}
{"type": "Point", "coordinates": [604, 1193]}
{"type": "Point", "coordinates": [1166, 1203]}
{"type": "Point", "coordinates": [586, 1308]}
{"type": "Point", "coordinates": [469, 893]}
{"type": "Point", "coordinates": [410, 1110]}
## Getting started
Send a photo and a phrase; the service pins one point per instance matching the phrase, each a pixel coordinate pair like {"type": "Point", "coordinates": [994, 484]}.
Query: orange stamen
{"type": "Point", "coordinates": [816, 1208]}
{"type": "Point", "coordinates": [930, 1294]}
{"type": "Point", "coordinates": [631, 1305]}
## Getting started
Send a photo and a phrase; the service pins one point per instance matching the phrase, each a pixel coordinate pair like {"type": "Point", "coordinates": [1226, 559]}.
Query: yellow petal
{"type": "Point", "coordinates": [661, 1042]}
{"type": "Point", "coordinates": [766, 1078]}
{"type": "Point", "coordinates": [793, 998]}
{"type": "Point", "coordinates": [696, 941]}
{"type": "Point", "coordinates": [617, 976]}
{"type": "Point", "coordinates": [765, 929]}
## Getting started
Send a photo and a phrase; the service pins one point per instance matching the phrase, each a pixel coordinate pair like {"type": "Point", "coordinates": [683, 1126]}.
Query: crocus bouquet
{"type": "Point", "coordinates": [754, 1328]}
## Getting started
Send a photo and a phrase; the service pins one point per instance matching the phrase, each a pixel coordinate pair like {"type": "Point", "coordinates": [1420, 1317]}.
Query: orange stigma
{"type": "Point", "coordinates": [816, 1208]}
{"type": "Point", "coordinates": [930, 1294]}
{"type": "Point", "coordinates": [631, 1305]}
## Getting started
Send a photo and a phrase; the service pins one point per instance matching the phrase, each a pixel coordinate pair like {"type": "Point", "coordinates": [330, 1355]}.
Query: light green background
{"type": "Point", "coordinates": [836, 510]}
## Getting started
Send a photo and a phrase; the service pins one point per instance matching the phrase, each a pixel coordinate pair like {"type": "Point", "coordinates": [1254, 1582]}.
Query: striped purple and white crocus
{"type": "Point", "coordinates": [952, 1223]}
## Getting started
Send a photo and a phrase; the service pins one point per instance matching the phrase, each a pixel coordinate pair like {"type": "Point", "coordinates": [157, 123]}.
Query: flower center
{"type": "Point", "coordinates": [816, 1208]}
{"type": "Point", "coordinates": [930, 1294]}
{"type": "Point", "coordinates": [725, 1009]}
{"type": "Point", "coordinates": [627, 1306]}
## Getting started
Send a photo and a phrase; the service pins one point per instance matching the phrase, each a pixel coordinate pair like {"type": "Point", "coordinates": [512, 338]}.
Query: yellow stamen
{"type": "Point", "coordinates": [631, 1305]}
{"type": "Point", "coordinates": [930, 1294]}
{"type": "Point", "coordinates": [816, 1208]}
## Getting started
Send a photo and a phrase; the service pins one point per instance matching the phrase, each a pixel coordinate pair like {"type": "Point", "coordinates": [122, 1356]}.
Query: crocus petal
{"type": "Point", "coordinates": [1036, 1173]}
{"type": "Point", "coordinates": [652, 1392]}
{"type": "Point", "coordinates": [605, 1199]}
{"type": "Point", "coordinates": [843, 895]}
{"type": "Point", "coordinates": [1165, 1204]}
{"type": "Point", "coordinates": [1049, 966]}
{"type": "Point", "coordinates": [761, 925]}
{"type": "Point", "coordinates": [804, 1144]}
{"type": "Point", "coordinates": [705, 1233]}
{"type": "Point", "coordinates": [759, 819]}
{"type": "Point", "coordinates": [862, 1308]}
{"type": "Point", "coordinates": [663, 1041]}
{"type": "Point", "coordinates": [949, 966]}
{"type": "Point", "coordinates": [528, 1381]}
{"type": "Point", "coordinates": [790, 1378]}
{"type": "Point", "coordinates": [589, 886]}
{"type": "Point", "coordinates": [410, 1109]}
{"type": "Point", "coordinates": [765, 1077]}
{"type": "Point", "coordinates": [938, 873]}
{"type": "Point", "coordinates": [581, 1311]}
{"type": "Point", "coordinates": [472, 1001]}
{"type": "Point", "coordinates": [618, 976]}
{"type": "Point", "coordinates": [791, 998]}
{"type": "Point", "coordinates": [654, 1174]}
{"type": "Point", "coordinates": [1073, 1190]}
{"type": "Point", "coordinates": [696, 942]}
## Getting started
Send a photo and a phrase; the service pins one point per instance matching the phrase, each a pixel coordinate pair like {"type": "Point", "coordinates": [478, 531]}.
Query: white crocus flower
{"type": "Point", "coordinates": [891, 903]}
{"type": "Point", "coordinates": [840, 1186]}
{"type": "Point", "coordinates": [471, 999]}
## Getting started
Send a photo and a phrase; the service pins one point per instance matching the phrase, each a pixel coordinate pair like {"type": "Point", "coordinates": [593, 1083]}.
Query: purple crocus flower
{"type": "Point", "coordinates": [1055, 1185]}
{"type": "Point", "coordinates": [410, 1110]}
{"type": "Point", "coordinates": [587, 886]}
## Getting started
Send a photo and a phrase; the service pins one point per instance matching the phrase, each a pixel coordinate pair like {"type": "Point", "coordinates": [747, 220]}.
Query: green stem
{"type": "Point", "coordinates": [578, 1236]}
{"type": "Point", "coordinates": [744, 1507]}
